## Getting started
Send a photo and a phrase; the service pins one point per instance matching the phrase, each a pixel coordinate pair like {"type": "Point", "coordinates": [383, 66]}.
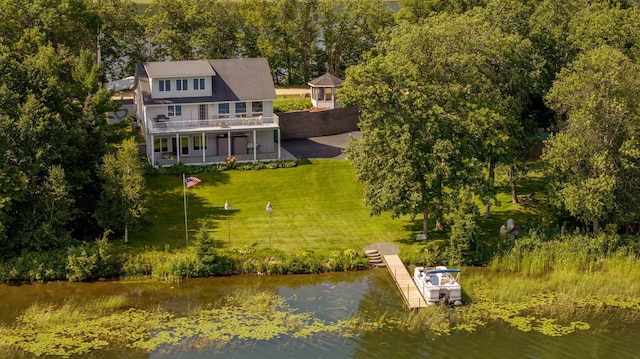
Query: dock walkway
{"type": "Point", "coordinates": [404, 282]}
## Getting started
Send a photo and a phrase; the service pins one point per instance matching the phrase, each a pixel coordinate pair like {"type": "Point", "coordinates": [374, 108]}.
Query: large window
{"type": "Point", "coordinates": [256, 108]}
{"type": "Point", "coordinates": [223, 110]}
{"type": "Point", "coordinates": [174, 110]}
{"type": "Point", "coordinates": [165, 85]}
{"type": "Point", "coordinates": [182, 85]}
{"type": "Point", "coordinates": [241, 109]}
{"type": "Point", "coordinates": [198, 84]}
{"type": "Point", "coordinates": [160, 144]}
{"type": "Point", "coordinates": [184, 144]}
{"type": "Point", "coordinates": [202, 112]}
{"type": "Point", "coordinates": [198, 144]}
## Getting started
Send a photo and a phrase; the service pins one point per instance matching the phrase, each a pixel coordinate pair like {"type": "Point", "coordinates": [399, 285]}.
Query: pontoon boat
{"type": "Point", "coordinates": [439, 284]}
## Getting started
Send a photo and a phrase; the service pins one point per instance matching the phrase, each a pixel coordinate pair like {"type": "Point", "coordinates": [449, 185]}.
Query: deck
{"type": "Point", "coordinates": [404, 282]}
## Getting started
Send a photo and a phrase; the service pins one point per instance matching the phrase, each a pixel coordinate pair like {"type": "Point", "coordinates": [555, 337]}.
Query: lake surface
{"type": "Point", "coordinates": [330, 297]}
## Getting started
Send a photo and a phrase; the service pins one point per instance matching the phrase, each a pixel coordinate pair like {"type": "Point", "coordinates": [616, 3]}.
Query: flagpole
{"type": "Point", "coordinates": [184, 195]}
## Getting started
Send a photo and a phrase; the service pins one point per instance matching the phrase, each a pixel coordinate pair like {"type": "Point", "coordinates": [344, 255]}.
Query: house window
{"type": "Point", "coordinates": [223, 110]}
{"type": "Point", "coordinates": [184, 143]}
{"type": "Point", "coordinates": [174, 110]}
{"type": "Point", "coordinates": [241, 109]}
{"type": "Point", "coordinates": [160, 144]}
{"type": "Point", "coordinates": [256, 108]}
{"type": "Point", "coordinates": [202, 112]}
{"type": "Point", "coordinates": [182, 85]}
{"type": "Point", "coordinates": [198, 84]}
{"type": "Point", "coordinates": [165, 85]}
{"type": "Point", "coordinates": [198, 144]}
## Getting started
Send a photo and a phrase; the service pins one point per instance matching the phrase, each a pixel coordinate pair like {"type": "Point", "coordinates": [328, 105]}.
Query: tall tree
{"type": "Point", "coordinates": [123, 202]}
{"type": "Point", "coordinates": [425, 104]}
{"type": "Point", "coordinates": [120, 37]}
{"type": "Point", "coordinates": [284, 32]}
{"type": "Point", "coordinates": [350, 29]}
{"type": "Point", "coordinates": [594, 161]}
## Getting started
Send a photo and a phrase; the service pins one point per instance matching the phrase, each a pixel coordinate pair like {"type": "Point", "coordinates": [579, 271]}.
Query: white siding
{"type": "Point", "coordinates": [190, 92]}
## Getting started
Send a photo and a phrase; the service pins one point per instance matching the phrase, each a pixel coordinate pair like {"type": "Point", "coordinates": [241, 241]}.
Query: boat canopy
{"type": "Point", "coordinates": [436, 271]}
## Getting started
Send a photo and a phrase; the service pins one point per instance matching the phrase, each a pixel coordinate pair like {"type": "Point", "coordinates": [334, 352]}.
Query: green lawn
{"type": "Point", "coordinates": [316, 206]}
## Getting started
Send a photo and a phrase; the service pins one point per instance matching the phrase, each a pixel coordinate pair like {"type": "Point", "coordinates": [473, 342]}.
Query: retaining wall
{"type": "Point", "coordinates": [305, 124]}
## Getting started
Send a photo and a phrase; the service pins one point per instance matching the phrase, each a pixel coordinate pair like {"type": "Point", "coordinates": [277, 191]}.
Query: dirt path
{"type": "Point", "coordinates": [293, 91]}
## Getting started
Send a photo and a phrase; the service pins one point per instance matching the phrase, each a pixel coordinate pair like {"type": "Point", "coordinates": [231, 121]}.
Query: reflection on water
{"type": "Point", "coordinates": [330, 298]}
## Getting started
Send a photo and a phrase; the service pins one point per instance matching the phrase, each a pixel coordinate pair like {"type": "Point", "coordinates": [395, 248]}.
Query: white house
{"type": "Point", "coordinates": [203, 111]}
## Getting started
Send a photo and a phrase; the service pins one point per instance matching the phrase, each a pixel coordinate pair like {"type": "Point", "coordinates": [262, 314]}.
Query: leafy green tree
{"type": "Point", "coordinates": [120, 38]}
{"type": "Point", "coordinates": [603, 24]}
{"type": "Point", "coordinates": [350, 29]}
{"type": "Point", "coordinates": [192, 29]}
{"type": "Point", "coordinates": [284, 32]}
{"type": "Point", "coordinates": [68, 23]}
{"type": "Point", "coordinates": [594, 161]}
{"type": "Point", "coordinates": [549, 32]}
{"type": "Point", "coordinates": [123, 201]}
{"type": "Point", "coordinates": [416, 10]}
{"type": "Point", "coordinates": [426, 107]}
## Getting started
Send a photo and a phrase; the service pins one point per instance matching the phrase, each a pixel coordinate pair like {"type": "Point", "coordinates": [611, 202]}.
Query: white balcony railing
{"type": "Point", "coordinates": [168, 125]}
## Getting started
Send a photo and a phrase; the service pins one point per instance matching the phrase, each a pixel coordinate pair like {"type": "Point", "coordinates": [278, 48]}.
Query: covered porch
{"type": "Point", "coordinates": [214, 147]}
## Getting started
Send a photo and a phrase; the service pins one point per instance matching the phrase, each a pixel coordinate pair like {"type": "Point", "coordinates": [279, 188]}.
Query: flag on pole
{"type": "Point", "coordinates": [192, 181]}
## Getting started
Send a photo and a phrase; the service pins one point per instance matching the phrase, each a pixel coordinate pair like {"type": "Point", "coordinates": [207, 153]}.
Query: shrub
{"type": "Point", "coordinates": [231, 163]}
{"type": "Point", "coordinates": [34, 266]}
{"type": "Point", "coordinates": [291, 104]}
{"type": "Point", "coordinates": [136, 266]}
{"type": "Point", "coordinates": [91, 261]}
{"type": "Point", "coordinates": [463, 242]}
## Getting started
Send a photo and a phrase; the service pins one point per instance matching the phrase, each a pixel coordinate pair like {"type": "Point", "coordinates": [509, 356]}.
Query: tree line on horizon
{"type": "Point", "coordinates": [450, 91]}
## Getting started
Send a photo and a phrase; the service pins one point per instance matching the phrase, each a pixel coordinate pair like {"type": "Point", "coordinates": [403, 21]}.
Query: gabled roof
{"type": "Point", "coordinates": [326, 80]}
{"type": "Point", "coordinates": [233, 79]}
{"type": "Point", "coordinates": [172, 69]}
{"type": "Point", "coordinates": [242, 79]}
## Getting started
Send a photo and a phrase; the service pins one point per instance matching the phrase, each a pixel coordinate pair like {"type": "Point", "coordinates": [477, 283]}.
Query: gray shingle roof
{"type": "Point", "coordinates": [326, 80]}
{"type": "Point", "coordinates": [233, 79]}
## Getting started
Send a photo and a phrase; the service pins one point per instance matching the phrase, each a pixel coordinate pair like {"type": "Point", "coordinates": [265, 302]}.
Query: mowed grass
{"type": "Point", "coordinates": [316, 207]}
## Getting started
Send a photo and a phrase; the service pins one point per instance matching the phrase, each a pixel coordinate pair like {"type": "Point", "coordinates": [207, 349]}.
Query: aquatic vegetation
{"type": "Point", "coordinates": [69, 329]}
{"type": "Point", "coordinates": [249, 316]}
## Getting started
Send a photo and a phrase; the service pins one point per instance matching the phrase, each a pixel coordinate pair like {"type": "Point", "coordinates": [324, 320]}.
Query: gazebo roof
{"type": "Point", "coordinates": [326, 80]}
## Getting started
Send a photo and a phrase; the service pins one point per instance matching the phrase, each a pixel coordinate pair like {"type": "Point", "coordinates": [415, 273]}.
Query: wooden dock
{"type": "Point", "coordinates": [404, 282]}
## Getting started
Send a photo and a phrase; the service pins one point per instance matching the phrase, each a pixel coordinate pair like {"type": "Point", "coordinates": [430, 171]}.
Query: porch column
{"type": "Point", "coordinates": [204, 150]}
{"type": "Point", "coordinates": [178, 148]}
{"type": "Point", "coordinates": [255, 146]}
{"type": "Point", "coordinates": [279, 149]}
{"type": "Point", "coordinates": [153, 151]}
{"type": "Point", "coordinates": [229, 143]}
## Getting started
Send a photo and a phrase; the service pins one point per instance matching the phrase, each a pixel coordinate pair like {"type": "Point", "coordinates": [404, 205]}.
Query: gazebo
{"type": "Point", "coordinates": [323, 91]}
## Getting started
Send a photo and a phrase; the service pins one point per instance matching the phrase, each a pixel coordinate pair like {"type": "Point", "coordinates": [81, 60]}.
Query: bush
{"type": "Point", "coordinates": [291, 104]}
{"type": "Point", "coordinates": [463, 242]}
{"type": "Point", "coordinates": [91, 261]}
{"type": "Point", "coordinates": [34, 266]}
{"type": "Point", "coordinates": [136, 266]}
{"type": "Point", "coordinates": [179, 168]}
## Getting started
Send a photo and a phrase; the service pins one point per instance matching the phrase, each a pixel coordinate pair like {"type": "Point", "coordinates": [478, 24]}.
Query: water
{"type": "Point", "coordinates": [330, 297]}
